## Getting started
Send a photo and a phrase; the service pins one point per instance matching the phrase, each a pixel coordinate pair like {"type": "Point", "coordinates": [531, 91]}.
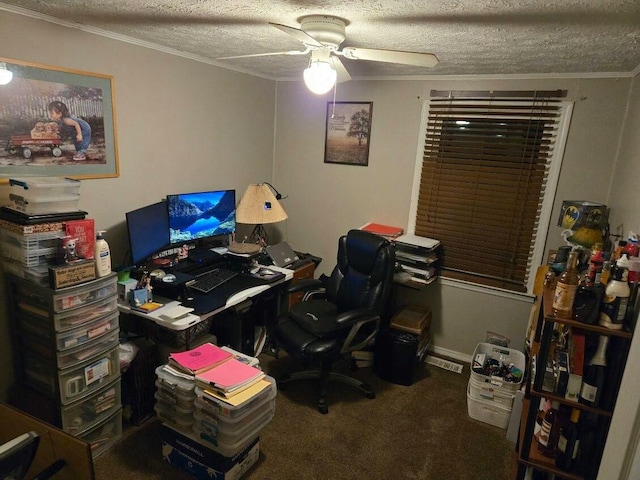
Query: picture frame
{"type": "Point", "coordinates": [348, 133]}
{"type": "Point", "coordinates": [57, 122]}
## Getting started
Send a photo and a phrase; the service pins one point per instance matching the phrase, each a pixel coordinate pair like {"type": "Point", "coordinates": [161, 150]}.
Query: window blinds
{"type": "Point", "coordinates": [484, 171]}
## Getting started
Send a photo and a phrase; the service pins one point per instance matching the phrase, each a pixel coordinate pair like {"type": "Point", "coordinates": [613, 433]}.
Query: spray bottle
{"type": "Point", "coordinates": [102, 255]}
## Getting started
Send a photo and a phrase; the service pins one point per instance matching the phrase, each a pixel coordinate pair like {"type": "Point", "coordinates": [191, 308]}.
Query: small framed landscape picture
{"type": "Point", "coordinates": [348, 133]}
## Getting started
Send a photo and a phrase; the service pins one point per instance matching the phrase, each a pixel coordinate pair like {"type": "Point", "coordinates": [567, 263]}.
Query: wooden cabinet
{"type": "Point", "coordinates": [540, 346]}
{"type": "Point", "coordinates": [302, 273]}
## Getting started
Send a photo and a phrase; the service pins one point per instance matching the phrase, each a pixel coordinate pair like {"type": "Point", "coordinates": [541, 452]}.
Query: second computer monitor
{"type": "Point", "coordinates": [201, 215]}
{"type": "Point", "coordinates": [148, 229]}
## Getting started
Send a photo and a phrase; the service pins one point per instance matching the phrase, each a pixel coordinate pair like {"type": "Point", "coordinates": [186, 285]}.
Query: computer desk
{"type": "Point", "coordinates": [185, 323]}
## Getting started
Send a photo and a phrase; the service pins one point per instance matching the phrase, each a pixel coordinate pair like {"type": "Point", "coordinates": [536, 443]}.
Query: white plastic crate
{"type": "Point", "coordinates": [488, 411]}
{"type": "Point", "coordinates": [502, 354]}
{"type": "Point", "coordinates": [487, 391]}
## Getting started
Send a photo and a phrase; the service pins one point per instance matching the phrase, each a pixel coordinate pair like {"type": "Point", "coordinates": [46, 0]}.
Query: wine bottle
{"type": "Point", "coordinates": [586, 305]}
{"type": "Point", "coordinates": [566, 287]}
{"type": "Point", "coordinates": [568, 443]}
{"type": "Point", "coordinates": [543, 408]}
{"type": "Point", "coordinates": [546, 446]}
{"type": "Point", "coordinates": [594, 375]}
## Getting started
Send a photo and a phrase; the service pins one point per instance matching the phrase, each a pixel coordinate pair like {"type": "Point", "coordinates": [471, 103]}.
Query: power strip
{"type": "Point", "coordinates": [445, 364]}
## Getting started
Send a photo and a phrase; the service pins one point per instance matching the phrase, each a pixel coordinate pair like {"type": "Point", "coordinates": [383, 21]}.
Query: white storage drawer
{"type": "Point", "coordinates": [92, 409]}
{"type": "Point", "coordinates": [74, 356]}
{"type": "Point", "coordinates": [87, 332]}
{"type": "Point", "coordinates": [104, 435]}
{"type": "Point", "coordinates": [89, 376]}
{"type": "Point", "coordinates": [30, 250]}
{"type": "Point", "coordinates": [63, 299]}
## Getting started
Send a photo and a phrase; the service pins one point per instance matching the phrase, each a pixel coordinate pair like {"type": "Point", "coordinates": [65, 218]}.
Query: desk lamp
{"type": "Point", "coordinates": [259, 206]}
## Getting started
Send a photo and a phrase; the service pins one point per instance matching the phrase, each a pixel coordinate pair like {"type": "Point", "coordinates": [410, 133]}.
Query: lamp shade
{"type": "Point", "coordinates": [259, 206]}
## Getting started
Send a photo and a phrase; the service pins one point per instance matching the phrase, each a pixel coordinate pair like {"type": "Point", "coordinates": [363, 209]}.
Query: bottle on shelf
{"type": "Point", "coordinates": [614, 303]}
{"type": "Point", "coordinates": [546, 440]}
{"type": "Point", "coordinates": [586, 304]}
{"type": "Point", "coordinates": [594, 375]}
{"type": "Point", "coordinates": [566, 287]}
{"type": "Point", "coordinates": [605, 276]}
{"type": "Point", "coordinates": [594, 271]}
{"type": "Point", "coordinates": [568, 443]}
{"type": "Point", "coordinates": [543, 408]}
{"type": "Point", "coordinates": [631, 312]}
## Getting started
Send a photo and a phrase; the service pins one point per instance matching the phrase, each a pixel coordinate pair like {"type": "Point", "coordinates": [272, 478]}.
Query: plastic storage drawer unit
{"type": "Point", "coordinates": [91, 409]}
{"type": "Point", "coordinates": [103, 435]}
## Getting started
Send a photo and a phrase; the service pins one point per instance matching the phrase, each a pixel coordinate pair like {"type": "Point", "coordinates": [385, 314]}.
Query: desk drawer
{"type": "Point", "coordinates": [303, 273]}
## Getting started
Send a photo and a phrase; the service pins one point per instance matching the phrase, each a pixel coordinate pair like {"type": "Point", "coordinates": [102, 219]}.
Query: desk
{"type": "Point", "coordinates": [215, 299]}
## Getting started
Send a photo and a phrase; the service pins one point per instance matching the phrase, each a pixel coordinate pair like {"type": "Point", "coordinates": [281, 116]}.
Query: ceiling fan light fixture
{"type": "Point", "coordinates": [320, 77]}
{"type": "Point", "coordinates": [5, 74]}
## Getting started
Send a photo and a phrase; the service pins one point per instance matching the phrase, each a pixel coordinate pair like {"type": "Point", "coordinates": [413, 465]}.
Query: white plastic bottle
{"type": "Point", "coordinates": [102, 255]}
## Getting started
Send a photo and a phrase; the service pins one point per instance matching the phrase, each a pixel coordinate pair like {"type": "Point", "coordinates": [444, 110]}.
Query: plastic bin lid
{"type": "Point", "coordinates": [40, 182]}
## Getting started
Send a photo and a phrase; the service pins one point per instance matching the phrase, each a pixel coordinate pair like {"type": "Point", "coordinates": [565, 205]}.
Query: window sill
{"type": "Point", "coordinates": [498, 292]}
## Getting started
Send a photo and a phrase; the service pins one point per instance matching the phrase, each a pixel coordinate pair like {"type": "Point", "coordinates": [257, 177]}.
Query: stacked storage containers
{"type": "Point", "coordinates": [65, 340]}
{"type": "Point", "coordinates": [496, 376]}
{"type": "Point", "coordinates": [206, 436]}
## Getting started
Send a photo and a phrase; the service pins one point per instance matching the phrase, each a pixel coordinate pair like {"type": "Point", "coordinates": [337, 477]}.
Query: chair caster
{"type": "Point", "coordinates": [323, 409]}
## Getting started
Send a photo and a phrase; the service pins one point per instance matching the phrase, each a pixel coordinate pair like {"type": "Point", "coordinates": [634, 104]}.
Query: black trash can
{"type": "Point", "coordinates": [396, 356]}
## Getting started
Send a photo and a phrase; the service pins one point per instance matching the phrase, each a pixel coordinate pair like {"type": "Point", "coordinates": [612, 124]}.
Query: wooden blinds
{"type": "Point", "coordinates": [484, 171]}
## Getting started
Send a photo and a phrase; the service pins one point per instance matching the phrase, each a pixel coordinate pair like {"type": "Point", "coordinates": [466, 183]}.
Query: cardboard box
{"type": "Point", "coordinates": [68, 275]}
{"type": "Point", "coordinates": [194, 458]}
{"type": "Point", "coordinates": [575, 214]}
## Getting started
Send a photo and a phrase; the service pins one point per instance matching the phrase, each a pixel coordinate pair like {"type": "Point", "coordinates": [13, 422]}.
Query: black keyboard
{"type": "Point", "coordinates": [208, 281]}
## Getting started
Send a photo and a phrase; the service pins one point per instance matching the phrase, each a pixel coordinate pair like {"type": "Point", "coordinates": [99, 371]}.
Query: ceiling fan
{"type": "Point", "coordinates": [322, 36]}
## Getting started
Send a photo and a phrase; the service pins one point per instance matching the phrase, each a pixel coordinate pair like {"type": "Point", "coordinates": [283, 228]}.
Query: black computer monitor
{"type": "Point", "coordinates": [201, 215]}
{"type": "Point", "coordinates": [148, 229]}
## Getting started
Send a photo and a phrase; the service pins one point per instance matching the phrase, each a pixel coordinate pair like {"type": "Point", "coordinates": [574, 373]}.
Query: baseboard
{"type": "Point", "coordinates": [452, 354]}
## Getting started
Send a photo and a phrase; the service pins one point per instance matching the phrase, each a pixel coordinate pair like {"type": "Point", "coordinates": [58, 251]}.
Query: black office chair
{"type": "Point", "coordinates": [341, 314]}
{"type": "Point", "coordinates": [16, 457]}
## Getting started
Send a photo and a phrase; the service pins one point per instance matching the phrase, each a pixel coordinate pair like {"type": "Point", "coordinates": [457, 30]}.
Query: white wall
{"type": "Point", "coordinates": [182, 125]}
{"type": "Point", "coordinates": [325, 200]}
{"type": "Point", "coordinates": [621, 456]}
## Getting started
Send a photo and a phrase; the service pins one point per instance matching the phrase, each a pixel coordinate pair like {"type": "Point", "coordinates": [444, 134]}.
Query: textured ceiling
{"type": "Point", "coordinates": [470, 37]}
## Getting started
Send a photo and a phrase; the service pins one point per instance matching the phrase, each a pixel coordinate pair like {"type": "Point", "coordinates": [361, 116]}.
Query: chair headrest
{"type": "Point", "coordinates": [362, 249]}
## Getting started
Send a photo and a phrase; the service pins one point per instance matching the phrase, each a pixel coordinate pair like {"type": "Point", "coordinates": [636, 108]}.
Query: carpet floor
{"type": "Point", "coordinates": [420, 432]}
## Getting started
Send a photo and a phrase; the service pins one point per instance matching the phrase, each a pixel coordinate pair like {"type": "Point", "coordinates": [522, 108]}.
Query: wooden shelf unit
{"type": "Point", "coordinates": [528, 455]}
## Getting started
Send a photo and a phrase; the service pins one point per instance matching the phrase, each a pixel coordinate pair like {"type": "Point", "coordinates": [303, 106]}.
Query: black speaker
{"type": "Point", "coordinates": [395, 356]}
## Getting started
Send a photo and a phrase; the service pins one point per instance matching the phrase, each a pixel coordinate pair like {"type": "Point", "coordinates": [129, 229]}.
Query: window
{"type": "Point", "coordinates": [487, 175]}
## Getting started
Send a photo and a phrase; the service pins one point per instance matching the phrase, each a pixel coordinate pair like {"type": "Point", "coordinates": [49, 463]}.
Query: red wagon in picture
{"type": "Point", "coordinates": [25, 143]}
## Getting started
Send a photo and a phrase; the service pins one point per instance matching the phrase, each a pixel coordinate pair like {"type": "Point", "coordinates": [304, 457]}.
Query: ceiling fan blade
{"type": "Point", "coordinates": [298, 34]}
{"type": "Point", "coordinates": [292, 52]}
{"type": "Point", "coordinates": [391, 56]}
{"type": "Point", "coordinates": [341, 70]}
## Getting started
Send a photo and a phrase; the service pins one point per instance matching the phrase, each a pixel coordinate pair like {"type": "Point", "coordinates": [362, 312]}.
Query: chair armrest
{"type": "Point", "coordinates": [352, 316]}
{"type": "Point", "coordinates": [349, 344]}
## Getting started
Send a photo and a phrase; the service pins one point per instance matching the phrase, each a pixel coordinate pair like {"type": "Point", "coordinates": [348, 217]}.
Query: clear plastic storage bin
{"type": "Point", "coordinates": [169, 381]}
{"type": "Point", "coordinates": [30, 250]}
{"type": "Point", "coordinates": [92, 409]}
{"type": "Point", "coordinates": [104, 435]}
{"type": "Point", "coordinates": [218, 407]}
{"type": "Point", "coordinates": [74, 356]}
{"type": "Point", "coordinates": [178, 417]}
{"type": "Point", "coordinates": [87, 332]}
{"type": "Point", "coordinates": [35, 188]}
{"type": "Point", "coordinates": [174, 396]}
{"type": "Point", "coordinates": [230, 433]}
{"type": "Point", "coordinates": [88, 376]}
{"type": "Point", "coordinates": [72, 318]}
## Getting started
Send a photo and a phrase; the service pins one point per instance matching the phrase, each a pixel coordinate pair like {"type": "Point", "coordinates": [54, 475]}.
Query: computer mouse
{"type": "Point", "coordinates": [266, 271]}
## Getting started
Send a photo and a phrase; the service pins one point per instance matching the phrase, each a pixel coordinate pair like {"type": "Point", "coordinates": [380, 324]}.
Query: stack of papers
{"type": "Point", "coordinates": [229, 378]}
{"type": "Point", "coordinates": [199, 359]}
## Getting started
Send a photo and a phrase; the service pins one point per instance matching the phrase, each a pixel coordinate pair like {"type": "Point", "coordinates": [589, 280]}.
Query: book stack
{"type": "Point", "coordinates": [417, 257]}
{"type": "Point", "coordinates": [222, 402]}
{"type": "Point", "coordinates": [387, 231]}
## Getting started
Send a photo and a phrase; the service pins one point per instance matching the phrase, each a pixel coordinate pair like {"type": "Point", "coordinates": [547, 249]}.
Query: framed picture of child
{"type": "Point", "coordinates": [57, 122]}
